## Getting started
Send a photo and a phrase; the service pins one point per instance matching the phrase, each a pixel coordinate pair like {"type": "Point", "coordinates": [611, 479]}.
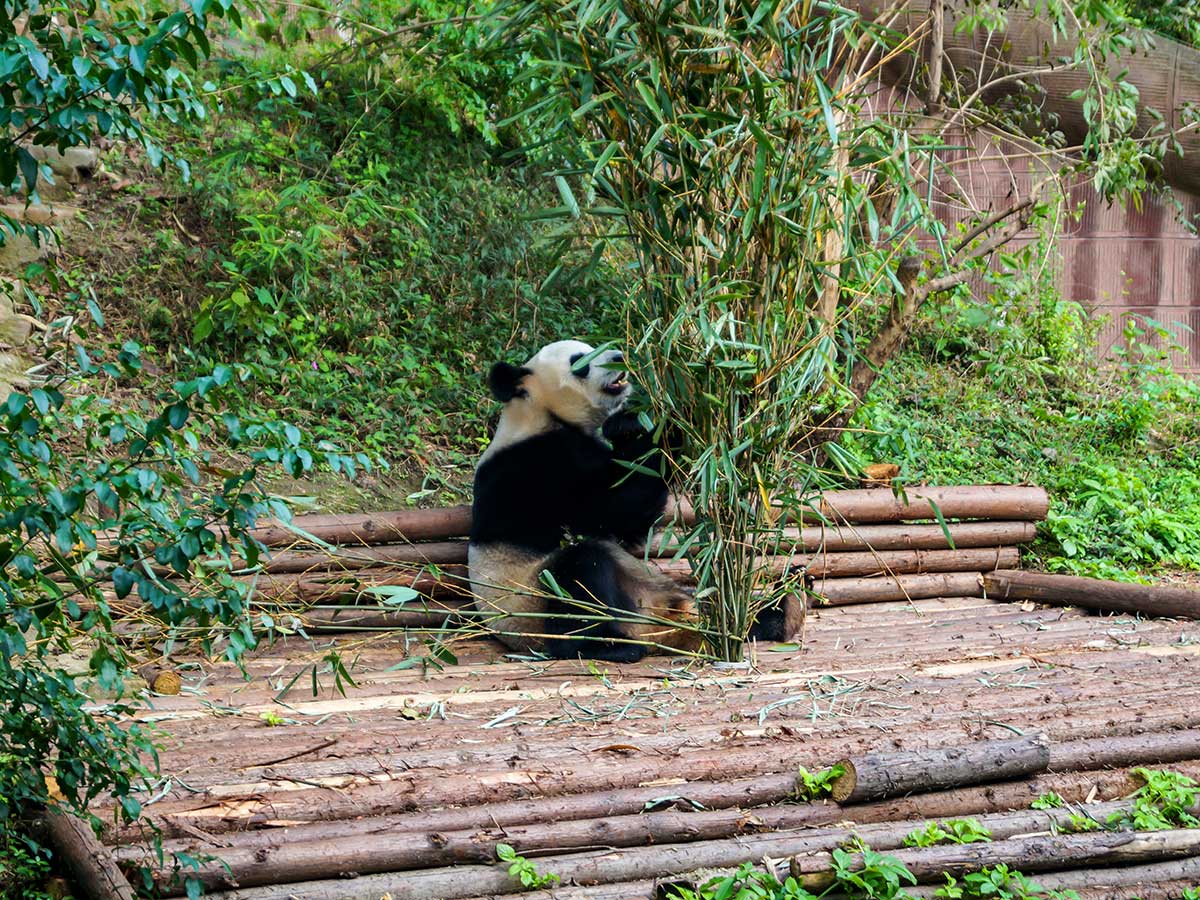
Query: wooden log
{"type": "Point", "coordinates": [508, 817]}
{"type": "Point", "coordinates": [1187, 869]}
{"type": "Point", "coordinates": [847, 564]}
{"type": "Point", "coordinates": [403, 526]}
{"type": "Point", "coordinates": [1151, 748]}
{"type": "Point", "coordinates": [88, 862]}
{"type": "Point", "coordinates": [811, 539]}
{"type": "Point", "coordinates": [351, 587]}
{"type": "Point", "coordinates": [1029, 854]}
{"type": "Point", "coordinates": [1006, 502]}
{"type": "Point", "coordinates": [810, 866]}
{"type": "Point", "coordinates": [343, 558]}
{"type": "Point", "coordinates": [876, 776]}
{"type": "Point", "coordinates": [712, 795]}
{"type": "Point", "coordinates": [293, 861]}
{"type": "Point", "coordinates": [991, 501]}
{"type": "Point", "coordinates": [1175, 890]}
{"type": "Point", "coordinates": [848, 591]}
{"type": "Point", "coordinates": [1094, 593]}
{"type": "Point", "coordinates": [161, 679]}
{"type": "Point", "coordinates": [438, 616]}
{"type": "Point", "coordinates": [837, 538]}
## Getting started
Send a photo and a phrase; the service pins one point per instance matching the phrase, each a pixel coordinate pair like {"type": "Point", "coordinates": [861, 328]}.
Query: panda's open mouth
{"type": "Point", "coordinates": [617, 386]}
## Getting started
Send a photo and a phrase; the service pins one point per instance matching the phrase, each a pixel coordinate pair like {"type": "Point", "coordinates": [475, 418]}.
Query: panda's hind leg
{"type": "Point", "coordinates": [588, 573]}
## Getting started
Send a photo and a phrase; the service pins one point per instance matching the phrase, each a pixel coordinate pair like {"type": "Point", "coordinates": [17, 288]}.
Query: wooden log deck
{"type": "Point", "coordinates": [615, 777]}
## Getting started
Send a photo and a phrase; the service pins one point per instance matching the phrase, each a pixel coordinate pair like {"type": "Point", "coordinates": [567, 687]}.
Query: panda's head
{"type": "Point", "coordinates": [566, 381]}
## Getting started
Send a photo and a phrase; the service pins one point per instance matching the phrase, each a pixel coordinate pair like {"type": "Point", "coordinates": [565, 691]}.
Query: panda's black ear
{"type": "Point", "coordinates": [505, 381]}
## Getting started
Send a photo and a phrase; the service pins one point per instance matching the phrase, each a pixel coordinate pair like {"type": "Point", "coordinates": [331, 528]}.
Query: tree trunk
{"type": "Point", "coordinates": [848, 591]}
{"type": "Point", "coordinates": [1030, 854]}
{"type": "Point", "coordinates": [88, 862]}
{"type": "Point", "coordinates": [1093, 593]}
{"type": "Point", "coordinates": [876, 776]}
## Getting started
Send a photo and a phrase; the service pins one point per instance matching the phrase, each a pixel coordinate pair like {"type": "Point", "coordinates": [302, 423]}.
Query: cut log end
{"type": "Point", "coordinates": [845, 784]}
{"type": "Point", "coordinates": [161, 680]}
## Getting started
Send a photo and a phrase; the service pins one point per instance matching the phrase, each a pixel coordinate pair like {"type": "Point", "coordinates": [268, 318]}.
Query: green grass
{"type": "Point", "coordinates": [367, 257]}
{"type": "Point", "coordinates": [1117, 451]}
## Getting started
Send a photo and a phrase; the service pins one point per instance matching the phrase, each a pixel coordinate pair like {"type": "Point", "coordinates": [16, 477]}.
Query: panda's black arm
{"type": "Point", "coordinates": [637, 493]}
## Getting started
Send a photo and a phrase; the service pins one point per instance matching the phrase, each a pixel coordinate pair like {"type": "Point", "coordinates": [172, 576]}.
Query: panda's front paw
{"type": "Point", "coordinates": [624, 427]}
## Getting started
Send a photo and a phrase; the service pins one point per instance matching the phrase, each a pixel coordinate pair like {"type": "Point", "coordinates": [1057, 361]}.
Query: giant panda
{"type": "Point", "coordinates": [554, 510]}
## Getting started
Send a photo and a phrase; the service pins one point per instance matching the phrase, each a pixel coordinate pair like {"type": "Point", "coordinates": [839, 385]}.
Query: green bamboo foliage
{"type": "Point", "coordinates": [727, 137]}
{"type": "Point", "coordinates": [772, 201]}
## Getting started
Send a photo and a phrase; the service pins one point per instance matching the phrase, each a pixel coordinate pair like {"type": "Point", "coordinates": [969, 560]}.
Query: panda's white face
{"type": "Point", "coordinates": [573, 386]}
{"type": "Point", "coordinates": [563, 382]}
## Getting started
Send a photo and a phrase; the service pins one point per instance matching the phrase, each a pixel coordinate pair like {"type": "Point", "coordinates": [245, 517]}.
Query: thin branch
{"type": "Point", "coordinates": [936, 53]}
{"type": "Point", "coordinates": [989, 222]}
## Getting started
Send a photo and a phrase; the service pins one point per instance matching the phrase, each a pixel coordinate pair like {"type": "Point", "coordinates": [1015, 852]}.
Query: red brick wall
{"type": "Point", "coordinates": [1119, 260]}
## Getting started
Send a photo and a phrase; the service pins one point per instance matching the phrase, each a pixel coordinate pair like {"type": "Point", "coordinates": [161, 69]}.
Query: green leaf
{"type": "Point", "coordinates": [564, 191]}
{"type": "Point", "coordinates": [29, 168]}
{"type": "Point", "coordinates": [123, 581]}
{"type": "Point", "coordinates": [138, 55]}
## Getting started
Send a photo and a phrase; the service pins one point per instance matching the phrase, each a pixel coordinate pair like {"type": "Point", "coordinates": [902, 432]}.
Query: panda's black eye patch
{"type": "Point", "coordinates": [579, 371]}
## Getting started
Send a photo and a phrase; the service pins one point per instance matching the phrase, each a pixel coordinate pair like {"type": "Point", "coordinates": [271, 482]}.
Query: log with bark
{"type": "Point", "coordinates": [877, 776]}
{"type": "Point", "coordinates": [866, 563]}
{"type": "Point", "coordinates": [1026, 854]}
{"type": "Point", "coordinates": [810, 539]}
{"type": "Point", "coordinates": [810, 865]}
{"type": "Point", "coordinates": [1094, 593]}
{"type": "Point", "coordinates": [298, 861]}
{"type": "Point", "coordinates": [847, 591]}
{"type": "Point", "coordinates": [90, 864]}
{"type": "Point", "coordinates": [920, 573]}
{"type": "Point", "coordinates": [1005, 502]}
{"type": "Point", "coordinates": [161, 679]}
{"type": "Point", "coordinates": [988, 501]}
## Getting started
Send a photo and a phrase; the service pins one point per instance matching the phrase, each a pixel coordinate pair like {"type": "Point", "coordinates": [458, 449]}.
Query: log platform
{"type": "Point", "coordinates": [615, 777]}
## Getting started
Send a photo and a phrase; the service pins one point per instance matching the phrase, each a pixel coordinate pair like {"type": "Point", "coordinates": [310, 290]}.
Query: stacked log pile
{"type": "Point", "coordinates": [450, 855]}
{"type": "Point", "coordinates": [939, 709]}
{"type": "Point", "coordinates": [857, 546]}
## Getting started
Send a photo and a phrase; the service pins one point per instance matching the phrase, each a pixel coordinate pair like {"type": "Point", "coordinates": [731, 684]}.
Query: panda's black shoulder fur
{"type": "Point", "coordinates": [566, 481]}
